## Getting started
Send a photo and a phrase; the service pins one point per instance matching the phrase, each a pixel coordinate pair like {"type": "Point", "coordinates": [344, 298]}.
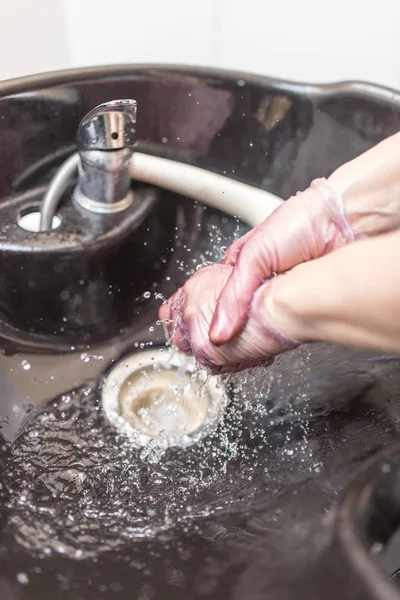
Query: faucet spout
{"type": "Point", "coordinates": [106, 139]}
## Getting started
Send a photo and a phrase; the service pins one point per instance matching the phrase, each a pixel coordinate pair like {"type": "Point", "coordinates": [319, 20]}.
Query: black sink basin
{"type": "Point", "coordinates": [252, 511]}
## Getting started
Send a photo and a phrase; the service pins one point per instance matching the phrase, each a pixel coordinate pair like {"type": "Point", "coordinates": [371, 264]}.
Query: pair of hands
{"type": "Point", "coordinates": [233, 316]}
{"type": "Point", "coordinates": [224, 314]}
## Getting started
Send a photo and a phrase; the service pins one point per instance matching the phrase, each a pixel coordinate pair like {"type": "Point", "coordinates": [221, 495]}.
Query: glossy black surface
{"type": "Point", "coordinates": [83, 282]}
{"type": "Point", "coordinates": [325, 410]}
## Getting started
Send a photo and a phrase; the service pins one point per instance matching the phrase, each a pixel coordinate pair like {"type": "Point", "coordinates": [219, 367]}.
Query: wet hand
{"type": "Point", "coordinates": [307, 226]}
{"type": "Point", "coordinates": [188, 314]}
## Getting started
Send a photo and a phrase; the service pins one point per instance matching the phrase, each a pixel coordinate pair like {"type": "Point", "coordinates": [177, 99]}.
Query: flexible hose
{"type": "Point", "coordinates": [248, 203]}
{"type": "Point", "coordinates": [56, 189]}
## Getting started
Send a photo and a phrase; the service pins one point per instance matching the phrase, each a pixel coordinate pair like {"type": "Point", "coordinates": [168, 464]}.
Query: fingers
{"type": "Point", "coordinates": [234, 249]}
{"type": "Point", "coordinates": [253, 266]}
{"type": "Point", "coordinates": [281, 241]}
{"type": "Point", "coordinates": [217, 303]}
{"type": "Point", "coordinates": [192, 308]}
{"type": "Point", "coordinates": [169, 312]}
{"type": "Point", "coordinates": [173, 332]}
{"type": "Point", "coordinates": [181, 341]}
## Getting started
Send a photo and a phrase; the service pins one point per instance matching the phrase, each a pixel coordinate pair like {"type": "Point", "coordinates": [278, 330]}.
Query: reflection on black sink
{"type": "Point", "coordinates": [248, 512]}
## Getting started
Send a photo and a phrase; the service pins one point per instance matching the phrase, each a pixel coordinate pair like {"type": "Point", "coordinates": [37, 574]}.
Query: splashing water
{"type": "Point", "coordinates": [72, 485]}
{"type": "Point", "coordinates": [75, 486]}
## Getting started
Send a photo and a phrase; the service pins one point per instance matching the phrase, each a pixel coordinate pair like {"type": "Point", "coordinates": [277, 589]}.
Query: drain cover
{"type": "Point", "coordinates": [163, 395]}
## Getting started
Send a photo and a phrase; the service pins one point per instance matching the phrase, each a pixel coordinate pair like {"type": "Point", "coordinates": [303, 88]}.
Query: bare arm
{"type": "Point", "coordinates": [369, 187]}
{"type": "Point", "coordinates": [350, 297]}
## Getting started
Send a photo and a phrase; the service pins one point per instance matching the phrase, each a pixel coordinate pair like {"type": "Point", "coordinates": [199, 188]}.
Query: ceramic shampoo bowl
{"type": "Point", "coordinates": [251, 511]}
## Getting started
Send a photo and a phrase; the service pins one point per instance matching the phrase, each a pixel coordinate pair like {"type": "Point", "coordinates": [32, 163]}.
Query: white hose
{"type": "Point", "coordinates": [248, 203]}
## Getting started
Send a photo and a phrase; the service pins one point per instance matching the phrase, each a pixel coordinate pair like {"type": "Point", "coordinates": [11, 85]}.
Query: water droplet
{"type": "Point", "coordinates": [155, 449]}
{"type": "Point", "coordinates": [22, 578]}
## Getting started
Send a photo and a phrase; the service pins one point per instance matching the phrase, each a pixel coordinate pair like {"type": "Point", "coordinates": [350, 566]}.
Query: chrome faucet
{"type": "Point", "coordinates": [106, 139]}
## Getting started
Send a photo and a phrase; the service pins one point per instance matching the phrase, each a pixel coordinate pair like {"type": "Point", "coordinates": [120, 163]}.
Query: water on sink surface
{"type": "Point", "coordinates": [77, 487]}
{"type": "Point", "coordinates": [254, 493]}
{"type": "Point", "coordinates": [74, 490]}
{"type": "Point", "coordinates": [73, 485]}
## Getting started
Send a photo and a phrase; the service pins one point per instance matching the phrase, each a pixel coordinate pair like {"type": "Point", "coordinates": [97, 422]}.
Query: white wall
{"type": "Point", "coordinates": [306, 40]}
{"type": "Point", "coordinates": [32, 37]}
{"type": "Point", "coordinates": [296, 39]}
{"type": "Point", "coordinates": [167, 31]}
{"type": "Point", "coordinates": [315, 40]}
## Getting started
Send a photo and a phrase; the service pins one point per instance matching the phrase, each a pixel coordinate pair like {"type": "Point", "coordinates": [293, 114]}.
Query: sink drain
{"type": "Point", "coordinates": [163, 395]}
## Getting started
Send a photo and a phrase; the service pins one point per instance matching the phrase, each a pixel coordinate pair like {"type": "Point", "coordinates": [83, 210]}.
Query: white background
{"type": "Point", "coordinates": [304, 40]}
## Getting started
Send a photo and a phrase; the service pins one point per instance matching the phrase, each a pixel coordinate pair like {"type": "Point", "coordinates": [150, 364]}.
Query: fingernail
{"type": "Point", "coordinates": [220, 329]}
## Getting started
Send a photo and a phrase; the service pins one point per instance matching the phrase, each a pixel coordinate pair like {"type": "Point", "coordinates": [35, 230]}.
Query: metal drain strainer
{"type": "Point", "coordinates": [163, 395]}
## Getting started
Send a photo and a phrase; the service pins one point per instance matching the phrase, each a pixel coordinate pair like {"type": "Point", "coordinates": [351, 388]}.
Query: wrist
{"type": "Point", "coordinates": [284, 310]}
{"type": "Point", "coordinates": [369, 188]}
{"type": "Point", "coordinates": [354, 200]}
{"type": "Point", "coordinates": [303, 303]}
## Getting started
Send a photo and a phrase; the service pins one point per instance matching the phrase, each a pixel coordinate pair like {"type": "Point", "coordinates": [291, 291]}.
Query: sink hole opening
{"type": "Point", "coordinates": [147, 395]}
{"type": "Point", "coordinates": [29, 219]}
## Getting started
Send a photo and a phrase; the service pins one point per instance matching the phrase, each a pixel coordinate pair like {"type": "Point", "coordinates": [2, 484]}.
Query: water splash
{"type": "Point", "coordinates": [76, 487]}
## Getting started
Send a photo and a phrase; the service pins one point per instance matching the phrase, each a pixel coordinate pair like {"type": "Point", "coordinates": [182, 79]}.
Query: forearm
{"type": "Point", "coordinates": [370, 188]}
{"type": "Point", "coordinates": [350, 297]}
